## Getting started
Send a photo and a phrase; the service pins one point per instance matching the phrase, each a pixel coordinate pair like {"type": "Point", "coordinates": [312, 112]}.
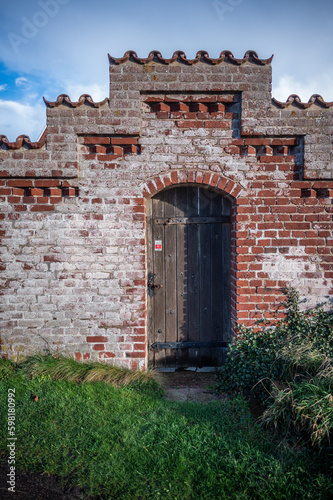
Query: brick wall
{"type": "Point", "coordinates": [73, 205]}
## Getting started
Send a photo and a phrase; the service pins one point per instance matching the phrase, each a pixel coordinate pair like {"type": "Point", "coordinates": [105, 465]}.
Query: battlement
{"type": "Point", "coordinates": [180, 57]}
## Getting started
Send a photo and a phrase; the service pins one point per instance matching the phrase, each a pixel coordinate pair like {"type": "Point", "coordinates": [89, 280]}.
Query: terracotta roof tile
{"type": "Point", "coordinates": [83, 99]}
{"type": "Point", "coordinates": [179, 56]}
{"type": "Point", "coordinates": [23, 140]}
{"type": "Point", "coordinates": [295, 100]}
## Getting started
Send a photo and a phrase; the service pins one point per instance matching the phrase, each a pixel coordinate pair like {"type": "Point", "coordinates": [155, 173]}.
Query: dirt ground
{"type": "Point", "coordinates": [187, 378]}
{"type": "Point", "coordinates": [199, 387]}
{"type": "Point", "coordinates": [34, 486]}
{"type": "Point", "coordinates": [190, 386]}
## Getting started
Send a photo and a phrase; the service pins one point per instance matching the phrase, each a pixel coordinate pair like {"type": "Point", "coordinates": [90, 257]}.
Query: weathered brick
{"type": "Point", "coordinates": [97, 338]}
{"type": "Point", "coordinates": [189, 124]}
{"type": "Point", "coordinates": [99, 347]}
{"type": "Point", "coordinates": [75, 210]}
{"type": "Point", "coordinates": [37, 192]}
{"type": "Point", "coordinates": [96, 140]}
{"type": "Point", "coordinates": [20, 183]}
{"type": "Point", "coordinates": [217, 124]}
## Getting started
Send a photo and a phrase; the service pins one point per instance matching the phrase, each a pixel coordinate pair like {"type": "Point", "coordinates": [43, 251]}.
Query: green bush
{"type": "Point", "coordinates": [252, 358]}
{"type": "Point", "coordinates": [313, 326]}
{"type": "Point", "coordinates": [298, 344]}
{"type": "Point", "coordinates": [289, 367]}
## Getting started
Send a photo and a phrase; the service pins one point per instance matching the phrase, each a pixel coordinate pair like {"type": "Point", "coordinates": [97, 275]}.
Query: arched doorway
{"type": "Point", "coordinates": [188, 278]}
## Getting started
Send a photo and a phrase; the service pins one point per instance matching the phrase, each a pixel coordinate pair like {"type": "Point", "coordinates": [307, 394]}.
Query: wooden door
{"type": "Point", "coordinates": [188, 278]}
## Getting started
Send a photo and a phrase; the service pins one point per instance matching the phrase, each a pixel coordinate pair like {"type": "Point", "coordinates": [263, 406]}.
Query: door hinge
{"type": "Point", "coordinates": [188, 345]}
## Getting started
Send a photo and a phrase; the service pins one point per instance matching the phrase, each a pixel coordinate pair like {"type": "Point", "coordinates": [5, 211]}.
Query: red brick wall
{"type": "Point", "coordinates": [73, 207]}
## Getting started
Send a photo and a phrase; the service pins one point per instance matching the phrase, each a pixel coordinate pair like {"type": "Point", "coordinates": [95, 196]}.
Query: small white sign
{"type": "Point", "coordinates": [158, 245]}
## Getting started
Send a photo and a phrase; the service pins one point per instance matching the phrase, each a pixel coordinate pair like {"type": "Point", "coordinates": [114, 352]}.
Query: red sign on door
{"type": "Point", "coordinates": [158, 245]}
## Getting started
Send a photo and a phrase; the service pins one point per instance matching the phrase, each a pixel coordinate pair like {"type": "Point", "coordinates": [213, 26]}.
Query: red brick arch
{"type": "Point", "coordinates": [176, 177]}
{"type": "Point", "coordinates": [217, 182]}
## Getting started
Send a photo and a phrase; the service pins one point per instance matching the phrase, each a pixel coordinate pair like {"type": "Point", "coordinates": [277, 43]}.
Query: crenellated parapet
{"type": "Point", "coordinates": [23, 141]}
{"type": "Point", "coordinates": [295, 100]}
{"type": "Point", "coordinates": [84, 99]}
{"type": "Point", "coordinates": [201, 56]}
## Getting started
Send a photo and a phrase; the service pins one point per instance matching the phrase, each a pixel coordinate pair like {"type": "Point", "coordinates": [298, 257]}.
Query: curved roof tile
{"type": "Point", "coordinates": [23, 140]}
{"type": "Point", "coordinates": [83, 99]}
{"type": "Point", "coordinates": [201, 56]}
{"type": "Point", "coordinates": [294, 99]}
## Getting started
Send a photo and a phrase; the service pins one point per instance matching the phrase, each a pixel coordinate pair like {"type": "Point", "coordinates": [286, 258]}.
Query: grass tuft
{"type": "Point", "coordinates": [305, 408]}
{"type": "Point", "coordinates": [56, 367]}
{"type": "Point", "coordinates": [64, 368]}
{"type": "Point", "coordinates": [302, 358]}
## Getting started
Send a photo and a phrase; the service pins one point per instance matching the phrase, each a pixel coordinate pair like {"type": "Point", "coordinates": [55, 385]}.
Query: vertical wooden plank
{"type": "Point", "coordinates": [150, 267]}
{"type": "Point", "coordinates": [216, 209]}
{"type": "Point", "coordinates": [193, 295]}
{"type": "Point", "coordinates": [193, 275]}
{"type": "Point", "coordinates": [192, 201]}
{"type": "Point", "coordinates": [226, 206]}
{"type": "Point", "coordinates": [226, 267]}
{"type": "Point", "coordinates": [217, 290]}
{"type": "Point", "coordinates": [205, 204]}
{"type": "Point", "coordinates": [205, 291]}
{"type": "Point", "coordinates": [181, 210]}
{"type": "Point", "coordinates": [181, 201]}
{"type": "Point", "coordinates": [159, 294]}
{"type": "Point", "coordinates": [159, 277]}
{"type": "Point", "coordinates": [215, 202]}
{"type": "Point", "coordinates": [170, 243]}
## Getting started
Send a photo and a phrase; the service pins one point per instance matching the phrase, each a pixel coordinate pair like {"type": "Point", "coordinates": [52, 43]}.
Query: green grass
{"type": "Point", "coordinates": [128, 442]}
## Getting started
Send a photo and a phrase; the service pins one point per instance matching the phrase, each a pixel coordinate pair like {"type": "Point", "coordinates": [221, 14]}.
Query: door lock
{"type": "Point", "coordinates": [151, 285]}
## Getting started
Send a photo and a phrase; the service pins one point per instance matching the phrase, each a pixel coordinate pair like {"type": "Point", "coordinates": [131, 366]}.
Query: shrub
{"type": "Point", "coordinates": [313, 325]}
{"type": "Point", "coordinates": [289, 367]}
{"type": "Point", "coordinates": [252, 358]}
{"type": "Point", "coordinates": [299, 344]}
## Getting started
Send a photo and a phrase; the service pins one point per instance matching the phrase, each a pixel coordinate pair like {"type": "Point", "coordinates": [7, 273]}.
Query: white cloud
{"type": "Point", "coordinates": [21, 81]}
{"type": "Point", "coordinates": [3, 87]}
{"type": "Point", "coordinates": [17, 119]}
{"type": "Point", "coordinates": [97, 92]}
{"type": "Point", "coordinates": [287, 85]}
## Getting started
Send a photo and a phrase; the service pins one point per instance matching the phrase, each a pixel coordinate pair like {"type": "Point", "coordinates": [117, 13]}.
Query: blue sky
{"type": "Point", "coordinates": [49, 47]}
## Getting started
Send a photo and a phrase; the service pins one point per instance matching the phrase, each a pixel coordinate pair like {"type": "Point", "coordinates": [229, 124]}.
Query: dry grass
{"type": "Point", "coordinates": [305, 407]}
{"type": "Point", "coordinates": [303, 357]}
{"type": "Point", "coordinates": [66, 368]}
